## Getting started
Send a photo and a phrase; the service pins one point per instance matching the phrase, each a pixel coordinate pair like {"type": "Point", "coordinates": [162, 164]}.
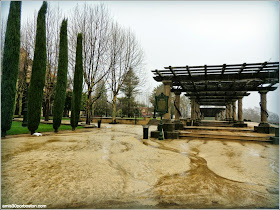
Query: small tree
{"type": "Point", "coordinates": [78, 84]}
{"type": "Point", "coordinates": [37, 82]}
{"type": "Point", "coordinates": [61, 83]}
{"type": "Point", "coordinates": [129, 88]}
{"type": "Point", "coordinates": [10, 67]}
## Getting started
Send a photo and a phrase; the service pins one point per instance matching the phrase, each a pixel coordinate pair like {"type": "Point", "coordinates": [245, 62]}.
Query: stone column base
{"type": "Point", "coordinates": [154, 134]}
{"type": "Point", "coordinates": [178, 125]}
{"type": "Point", "coordinates": [264, 128]}
{"type": "Point", "coordinates": [168, 131]}
{"type": "Point", "coordinates": [167, 134]}
{"type": "Point", "coordinates": [240, 124]}
{"type": "Point", "coordinates": [168, 127]}
{"type": "Point", "coordinates": [275, 140]}
{"type": "Point", "coordinates": [171, 134]}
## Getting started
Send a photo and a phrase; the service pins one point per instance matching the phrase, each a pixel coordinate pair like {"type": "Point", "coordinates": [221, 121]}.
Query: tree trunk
{"type": "Point", "coordinates": [92, 109]}
{"type": "Point", "coordinates": [88, 108]}
{"type": "Point", "coordinates": [47, 110]}
{"type": "Point", "coordinates": [65, 113]}
{"type": "Point", "coordinates": [20, 104]}
{"type": "Point", "coordinates": [114, 112]}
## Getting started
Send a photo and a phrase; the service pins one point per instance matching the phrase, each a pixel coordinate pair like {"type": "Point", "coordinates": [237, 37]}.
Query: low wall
{"type": "Point", "coordinates": [130, 121]}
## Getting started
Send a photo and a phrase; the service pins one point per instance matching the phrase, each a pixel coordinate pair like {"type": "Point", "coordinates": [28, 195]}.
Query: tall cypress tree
{"type": "Point", "coordinates": [10, 66]}
{"type": "Point", "coordinates": [60, 90]}
{"type": "Point", "coordinates": [78, 84]}
{"type": "Point", "coordinates": [37, 82]}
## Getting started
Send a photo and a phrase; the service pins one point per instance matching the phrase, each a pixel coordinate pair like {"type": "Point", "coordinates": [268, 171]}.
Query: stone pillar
{"type": "Point", "coordinates": [192, 109]}
{"type": "Point", "coordinates": [240, 122]}
{"type": "Point", "coordinates": [240, 112]}
{"type": "Point", "coordinates": [227, 112]}
{"type": "Point", "coordinates": [264, 125]}
{"type": "Point", "coordinates": [223, 115]}
{"type": "Point", "coordinates": [263, 107]}
{"type": "Point", "coordinates": [197, 111]}
{"type": "Point", "coordinates": [230, 112]}
{"type": "Point", "coordinates": [177, 103]}
{"type": "Point", "coordinates": [217, 116]}
{"type": "Point", "coordinates": [234, 110]}
{"type": "Point", "coordinates": [167, 85]}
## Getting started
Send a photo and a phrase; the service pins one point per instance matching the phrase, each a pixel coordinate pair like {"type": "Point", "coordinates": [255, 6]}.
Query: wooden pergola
{"type": "Point", "coordinates": [220, 85]}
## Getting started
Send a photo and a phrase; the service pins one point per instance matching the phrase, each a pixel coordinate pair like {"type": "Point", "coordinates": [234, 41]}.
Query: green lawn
{"type": "Point", "coordinates": [51, 117]}
{"type": "Point", "coordinates": [18, 129]}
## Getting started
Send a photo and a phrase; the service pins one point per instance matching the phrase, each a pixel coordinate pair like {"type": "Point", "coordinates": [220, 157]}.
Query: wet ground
{"type": "Point", "coordinates": [113, 167]}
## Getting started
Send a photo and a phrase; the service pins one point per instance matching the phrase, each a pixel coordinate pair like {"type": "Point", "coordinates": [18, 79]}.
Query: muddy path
{"type": "Point", "coordinates": [114, 167]}
{"type": "Point", "coordinates": [200, 187]}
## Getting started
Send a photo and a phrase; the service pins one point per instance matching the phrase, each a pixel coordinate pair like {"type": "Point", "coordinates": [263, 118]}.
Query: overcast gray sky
{"type": "Point", "coordinates": [174, 33]}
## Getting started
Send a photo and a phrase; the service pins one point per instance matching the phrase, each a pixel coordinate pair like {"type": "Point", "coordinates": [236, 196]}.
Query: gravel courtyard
{"type": "Point", "coordinates": [113, 167]}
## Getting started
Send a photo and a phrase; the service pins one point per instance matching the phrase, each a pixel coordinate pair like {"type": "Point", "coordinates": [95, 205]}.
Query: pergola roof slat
{"type": "Point", "coordinates": [218, 84]}
{"type": "Point", "coordinates": [227, 65]}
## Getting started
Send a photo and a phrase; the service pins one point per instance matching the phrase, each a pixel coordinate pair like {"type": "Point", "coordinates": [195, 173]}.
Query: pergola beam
{"type": "Point", "coordinates": [229, 65]}
{"type": "Point", "coordinates": [218, 94]}
{"type": "Point", "coordinates": [218, 77]}
{"type": "Point", "coordinates": [235, 89]}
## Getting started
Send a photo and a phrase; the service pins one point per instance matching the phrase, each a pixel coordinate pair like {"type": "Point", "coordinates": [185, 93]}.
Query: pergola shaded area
{"type": "Point", "coordinates": [220, 85]}
{"type": "Point", "coordinates": [216, 112]}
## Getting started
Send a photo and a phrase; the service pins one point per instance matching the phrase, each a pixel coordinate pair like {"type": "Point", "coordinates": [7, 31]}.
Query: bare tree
{"type": "Point", "coordinates": [185, 106]}
{"type": "Point", "coordinates": [125, 53]}
{"type": "Point", "coordinates": [53, 22]}
{"type": "Point", "coordinates": [24, 74]}
{"type": "Point", "coordinates": [28, 30]}
{"type": "Point", "coordinates": [28, 33]}
{"type": "Point", "coordinates": [94, 23]}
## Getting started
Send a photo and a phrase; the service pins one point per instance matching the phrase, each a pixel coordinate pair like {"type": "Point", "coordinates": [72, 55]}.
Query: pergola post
{"type": "Point", "coordinates": [192, 109]}
{"type": "Point", "coordinates": [264, 126]}
{"type": "Point", "coordinates": [177, 106]}
{"type": "Point", "coordinates": [230, 112]}
{"type": "Point", "coordinates": [227, 112]}
{"type": "Point", "coordinates": [167, 85]}
{"type": "Point", "coordinates": [240, 122]}
{"type": "Point", "coordinates": [264, 113]}
{"type": "Point", "coordinates": [217, 116]}
{"type": "Point", "coordinates": [197, 111]}
{"type": "Point", "coordinates": [223, 115]}
{"type": "Point", "coordinates": [240, 111]}
{"type": "Point", "coordinates": [178, 124]}
{"type": "Point", "coordinates": [234, 110]}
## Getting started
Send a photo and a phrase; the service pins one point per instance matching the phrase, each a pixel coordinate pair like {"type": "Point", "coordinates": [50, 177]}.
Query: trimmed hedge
{"type": "Point", "coordinates": [37, 82]}
{"type": "Point", "coordinates": [60, 90]}
{"type": "Point", "coordinates": [10, 66]}
{"type": "Point", "coordinates": [78, 84]}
